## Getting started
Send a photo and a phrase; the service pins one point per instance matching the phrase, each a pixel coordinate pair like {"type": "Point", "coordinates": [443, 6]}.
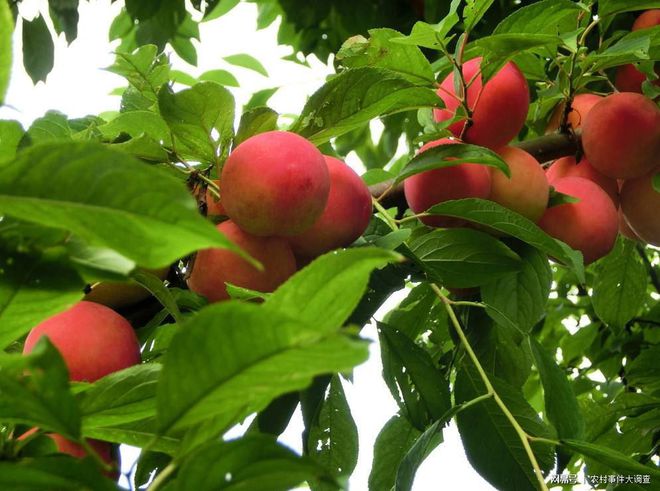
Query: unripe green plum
{"type": "Point", "coordinates": [621, 135]}
{"type": "Point", "coordinates": [215, 267]}
{"type": "Point", "coordinates": [526, 192]}
{"type": "Point", "coordinates": [566, 167]}
{"type": "Point", "coordinates": [590, 225]}
{"type": "Point", "coordinates": [499, 108]}
{"type": "Point", "coordinates": [275, 184]}
{"type": "Point", "coordinates": [346, 215]}
{"type": "Point", "coordinates": [640, 204]}
{"type": "Point", "coordinates": [94, 340]}
{"type": "Point", "coordinates": [117, 295]}
{"type": "Point", "coordinates": [580, 107]}
{"type": "Point", "coordinates": [436, 186]}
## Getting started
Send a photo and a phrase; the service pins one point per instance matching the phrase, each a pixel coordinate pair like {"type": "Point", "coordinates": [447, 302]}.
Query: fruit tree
{"type": "Point", "coordinates": [477, 181]}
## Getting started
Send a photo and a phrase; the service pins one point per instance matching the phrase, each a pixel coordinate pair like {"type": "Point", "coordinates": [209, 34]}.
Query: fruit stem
{"type": "Point", "coordinates": [522, 435]}
{"type": "Point", "coordinates": [386, 216]}
{"type": "Point", "coordinates": [94, 455]}
{"type": "Point", "coordinates": [160, 479]}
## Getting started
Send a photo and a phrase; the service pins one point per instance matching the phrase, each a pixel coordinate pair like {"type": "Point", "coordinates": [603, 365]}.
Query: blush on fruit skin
{"type": "Point", "coordinates": [275, 184]}
{"type": "Point", "coordinates": [590, 225]}
{"type": "Point", "coordinates": [94, 340]}
{"type": "Point", "coordinates": [580, 107]}
{"type": "Point", "coordinates": [215, 267]}
{"type": "Point", "coordinates": [429, 188]}
{"type": "Point", "coordinates": [526, 192]}
{"type": "Point", "coordinates": [640, 205]}
{"type": "Point", "coordinates": [499, 108]}
{"type": "Point", "coordinates": [647, 19]}
{"type": "Point", "coordinates": [346, 215]}
{"type": "Point", "coordinates": [621, 136]}
{"type": "Point", "coordinates": [566, 167]}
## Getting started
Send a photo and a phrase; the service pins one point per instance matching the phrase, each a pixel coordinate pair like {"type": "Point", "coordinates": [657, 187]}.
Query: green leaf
{"type": "Point", "coordinates": [619, 288]}
{"type": "Point", "coordinates": [246, 61]}
{"type": "Point", "coordinates": [255, 121]}
{"type": "Point", "coordinates": [140, 433]}
{"type": "Point", "coordinates": [121, 397]}
{"type": "Point", "coordinates": [253, 462]}
{"type": "Point", "coordinates": [463, 258]}
{"type": "Point", "coordinates": [609, 7]}
{"type": "Point", "coordinates": [155, 286]}
{"type": "Point", "coordinates": [26, 281]}
{"type": "Point", "coordinates": [64, 14]}
{"type": "Point", "coordinates": [262, 354]}
{"type": "Point", "coordinates": [220, 9]}
{"type": "Point", "coordinates": [184, 47]}
{"type": "Point", "coordinates": [144, 70]}
{"type": "Point", "coordinates": [57, 472]}
{"type": "Point", "coordinates": [53, 126]}
{"type": "Point", "coordinates": [6, 30]}
{"type": "Point", "coordinates": [380, 51]}
{"type": "Point", "coordinates": [611, 458]}
{"type": "Point", "coordinates": [450, 155]}
{"type": "Point", "coordinates": [417, 313]}
{"type": "Point", "coordinates": [560, 403]}
{"type": "Point", "coordinates": [354, 97]}
{"type": "Point", "coordinates": [433, 36]}
{"type": "Point", "coordinates": [630, 48]}
{"type": "Point", "coordinates": [325, 292]}
{"type": "Point", "coordinates": [504, 220]}
{"type": "Point", "coordinates": [193, 114]}
{"type": "Point", "coordinates": [473, 12]}
{"type": "Point", "coordinates": [521, 296]}
{"type": "Point", "coordinates": [417, 453]}
{"type": "Point", "coordinates": [643, 370]}
{"type": "Point", "coordinates": [117, 202]}
{"type": "Point", "coordinates": [333, 436]}
{"type": "Point", "coordinates": [222, 77]}
{"type": "Point", "coordinates": [177, 76]}
{"type": "Point", "coordinates": [260, 98]}
{"type": "Point", "coordinates": [392, 444]}
{"type": "Point", "coordinates": [376, 176]}
{"type": "Point", "coordinates": [545, 17]}
{"type": "Point", "coordinates": [34, 390]}
{"type": "Point", "coordinates": [11, 133]}
{"type": "Point", "coordinates": [136, 123]}
{"type": "Point", "coordinates": [491, 444]}
{"type": "Point", "coordinates": [38, 49]}
{"type": "Point", "coordinates": [418, 387]}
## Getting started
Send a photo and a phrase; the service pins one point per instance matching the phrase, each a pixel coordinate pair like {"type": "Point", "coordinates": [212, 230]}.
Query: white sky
{"type": "Point", "coordinates": [78, 86]}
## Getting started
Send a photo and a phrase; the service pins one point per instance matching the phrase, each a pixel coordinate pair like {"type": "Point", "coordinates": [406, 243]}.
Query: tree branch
{"type": "Point", "coordinates": [544, 149]}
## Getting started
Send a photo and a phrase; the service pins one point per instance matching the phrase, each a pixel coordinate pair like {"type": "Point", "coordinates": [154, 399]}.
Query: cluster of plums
{"type": "Point", "coordinates": [287, 203]}
{"type": "Point", "coordinates": [612, 181]}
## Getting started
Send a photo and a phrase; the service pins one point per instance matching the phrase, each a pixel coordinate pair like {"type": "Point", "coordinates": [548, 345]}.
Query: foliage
{"type": "Point", "coordinates": [547, 367]}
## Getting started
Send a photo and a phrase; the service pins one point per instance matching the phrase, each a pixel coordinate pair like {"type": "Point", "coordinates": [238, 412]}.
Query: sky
{"type": "Point", "coordinates": [78, 86]}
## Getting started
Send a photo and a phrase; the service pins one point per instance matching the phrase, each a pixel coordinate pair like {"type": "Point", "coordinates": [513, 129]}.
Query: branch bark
{"type": "Point", "coordinates": [544, 149]}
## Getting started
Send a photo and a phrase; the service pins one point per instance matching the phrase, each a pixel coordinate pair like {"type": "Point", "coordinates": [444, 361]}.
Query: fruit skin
{"type": "Point", "coordinates": [275, 184]}
{"type": "Point", "coordinates": [214, 206]}
{"type": "Point", "coordinates": [429, 188]}
{"type": "Point", "coordinates": [117, 295]}
{"type": "Point", "coordinates": [647, 19]}
{"type": "Point", "coordinates": [214, 267]}
{"type": "Point", "coordinates": [624, 228]}
{"type": "Point", "coordinates": [621, 135]}
{"type": "Point", "coordinates": [346, 215]}
{"type": "Point", "coordinates": [499, 108]}
{"type": "Point", "coordinates": [590, 225]}
{"type": "Point", "coordinates": [527, 191]}
{"type": "Point", "coordinates": [640, 205]}
{"type": "Point", "coordinates": [566, 167]}
{"type": "Point", "coordinates": [580, 107]}
{"type": "Point", "coordinates": [93, 340]}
